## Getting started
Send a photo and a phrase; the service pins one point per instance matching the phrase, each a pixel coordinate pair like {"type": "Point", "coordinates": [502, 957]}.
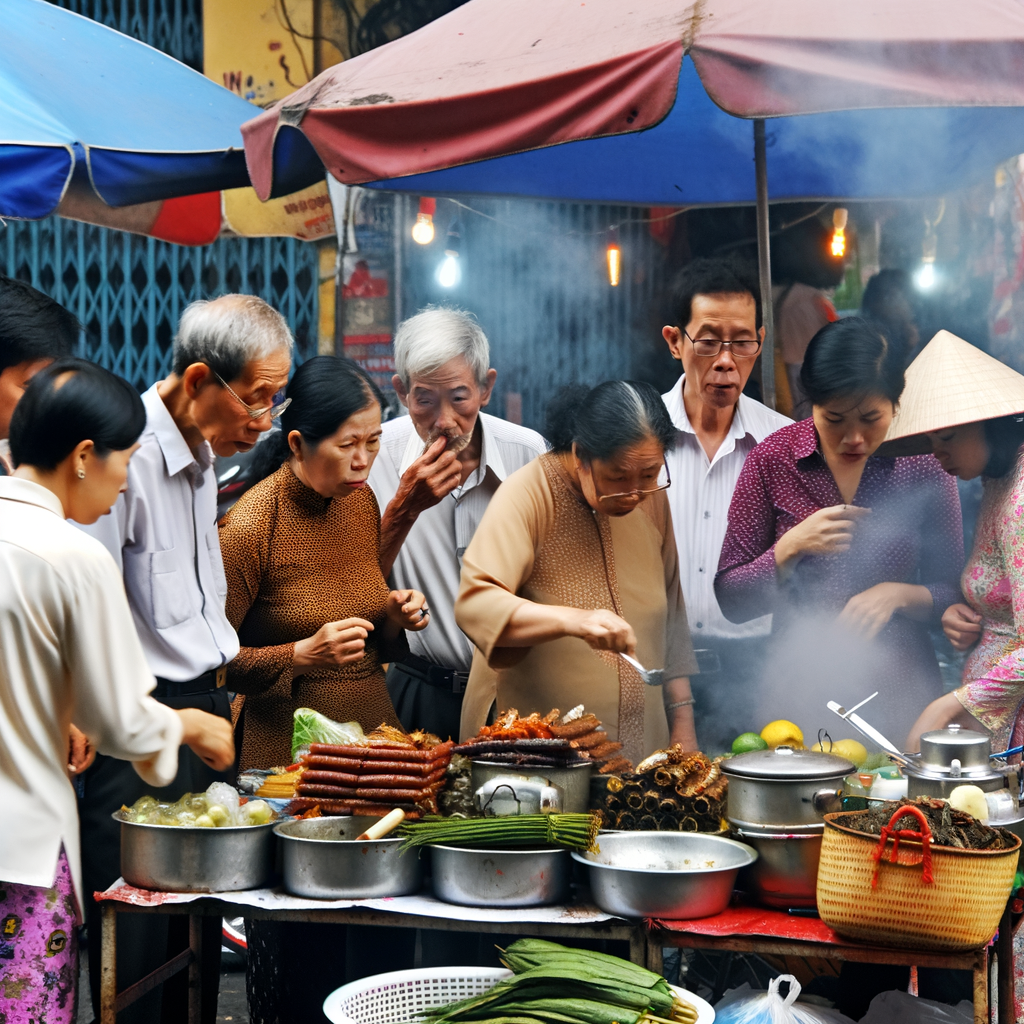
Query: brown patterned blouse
{"type": "Point", "coordinates": [294, 561]}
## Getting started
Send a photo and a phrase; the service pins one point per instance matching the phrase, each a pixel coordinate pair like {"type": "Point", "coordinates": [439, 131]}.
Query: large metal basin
{"type": "Point", "coordinates": [785, 873]}
{"type": "Point", "coordinates": [664, 874]}
{"type": "Point", "coordinates": [322, 860]}
{"type": "Point", "coordinates": [174, 858]}
{"type": "Point", "coordinates": [483, 876]}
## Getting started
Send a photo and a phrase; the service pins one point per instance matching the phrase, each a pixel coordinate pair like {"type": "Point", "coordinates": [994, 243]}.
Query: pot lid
{"type": "Point", "coordinates": [941, 745]}
{"type": "Point", "coordinates": [787, 763]}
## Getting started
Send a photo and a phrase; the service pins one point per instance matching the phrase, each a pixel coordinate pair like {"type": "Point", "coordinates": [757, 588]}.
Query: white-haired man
{"type": "Point", "coordinates": [230, 364]}
{"type": "Point", "coordinates": [437, 470]}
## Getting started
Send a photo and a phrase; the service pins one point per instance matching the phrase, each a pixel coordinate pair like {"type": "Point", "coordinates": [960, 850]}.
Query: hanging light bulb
{"type": "Point", "coordinates": [925, 276]}
{"type": "Point", "coordinates": [839, 218]}
{"type": "Point", "coordinates": [449, 273]}
{"type": "Point", "coordinates": [423, 229]}
{"type": "Point", "coordinates": [613, 254]}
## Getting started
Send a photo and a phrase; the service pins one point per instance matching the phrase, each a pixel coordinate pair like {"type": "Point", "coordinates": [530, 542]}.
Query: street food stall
{"type": "Point", "coordinates": [538, 827]}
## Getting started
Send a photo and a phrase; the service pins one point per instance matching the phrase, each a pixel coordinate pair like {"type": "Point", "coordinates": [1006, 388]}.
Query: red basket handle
{"type": "Point", "coordinates": [925, 835]}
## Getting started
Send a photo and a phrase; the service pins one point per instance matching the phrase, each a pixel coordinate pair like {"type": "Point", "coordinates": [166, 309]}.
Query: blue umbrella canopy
{"type": "Point", "coordinates": [79, 100]}
{"type": "Point", "coordinates": [700, 155]}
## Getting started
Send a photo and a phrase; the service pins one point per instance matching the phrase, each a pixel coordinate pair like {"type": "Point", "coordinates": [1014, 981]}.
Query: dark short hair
{"type": "Point", "coordinates": [93, 404]}
{"type": "Point", "coordinates": [713, 276]}
{"type": "Point", "coordinates": [325, 391]}
{"type": "Point", "coordinates": [32, 325]}
{"type": "Point", "coordinates": [1003, 437]}
{"type": "Point", "coordinates": [851, 357]}
{"type": "Point", "coordinates": [603, 420]}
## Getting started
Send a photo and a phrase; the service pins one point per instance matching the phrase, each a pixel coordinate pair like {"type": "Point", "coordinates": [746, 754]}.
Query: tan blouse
{"type": "Point", "coordinates": [294, 561]}
{"type": "Point", "coordinates": [539, 541]}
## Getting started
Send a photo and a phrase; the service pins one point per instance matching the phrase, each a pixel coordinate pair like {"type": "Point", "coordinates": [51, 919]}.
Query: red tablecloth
{"type": "Point", "coordinates": [743, 918]}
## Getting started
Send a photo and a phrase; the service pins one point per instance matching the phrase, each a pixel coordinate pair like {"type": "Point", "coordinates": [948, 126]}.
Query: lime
{"type": "Point", "coordinates": [748, 741]}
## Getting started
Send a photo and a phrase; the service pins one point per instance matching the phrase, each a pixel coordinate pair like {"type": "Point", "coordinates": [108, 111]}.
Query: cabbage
{"type": "Point", "coordinates": [312, 727]}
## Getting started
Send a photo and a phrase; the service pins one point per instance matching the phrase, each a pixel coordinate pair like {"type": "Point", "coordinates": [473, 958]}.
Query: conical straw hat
{"type": "Point", "coordinates": [950, 383]}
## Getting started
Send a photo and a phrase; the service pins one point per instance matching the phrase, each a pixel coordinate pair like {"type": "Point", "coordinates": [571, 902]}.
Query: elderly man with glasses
{"type": "Point", "coordinates": [717, 336]}
{"type": "Point", "coordinates": [230, 363]}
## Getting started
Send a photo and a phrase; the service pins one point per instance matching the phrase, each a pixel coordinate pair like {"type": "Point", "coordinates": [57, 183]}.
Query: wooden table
{"type": "Point", "coordinates": [205, 936]}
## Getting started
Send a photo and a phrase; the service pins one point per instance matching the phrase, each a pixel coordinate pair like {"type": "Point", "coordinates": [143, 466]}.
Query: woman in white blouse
{"type": "Point", "coordinates": [68, 649]}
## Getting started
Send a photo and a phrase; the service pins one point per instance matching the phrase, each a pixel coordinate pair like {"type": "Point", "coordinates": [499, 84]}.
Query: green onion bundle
{"type": "Point", "coordinates": [577, 831]}
{"type": "Point", "coordinates": [557, 985]}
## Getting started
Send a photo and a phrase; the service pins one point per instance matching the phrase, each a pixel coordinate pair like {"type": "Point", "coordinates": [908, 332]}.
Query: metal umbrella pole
{"type": "Point", "coordinates": [764, 265]}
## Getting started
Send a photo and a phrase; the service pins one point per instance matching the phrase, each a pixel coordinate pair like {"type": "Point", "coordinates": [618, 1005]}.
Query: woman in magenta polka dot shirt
{"type": "Point", "coordinates": [854, 554]}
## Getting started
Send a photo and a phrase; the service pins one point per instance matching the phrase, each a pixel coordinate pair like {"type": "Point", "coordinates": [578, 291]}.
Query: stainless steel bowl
{"type": "Point", "coordinates": [675, 876]}
{"type": "Point", "coordinates": [174, 858]}
{"type": "Point", "coordinates": [574, 782]}
{"type": "Point", "coordinates": [785, 873]}
{"type": "Point", "coordinates": [322, 860]}
{"type": "Point", "coordinates": [483, 876]}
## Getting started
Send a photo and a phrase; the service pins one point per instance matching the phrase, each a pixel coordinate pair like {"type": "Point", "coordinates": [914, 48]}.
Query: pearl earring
{"type": "Point", "coordinates": [81, 473]}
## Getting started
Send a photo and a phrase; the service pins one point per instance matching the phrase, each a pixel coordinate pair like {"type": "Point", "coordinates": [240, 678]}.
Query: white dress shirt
{"type": "Point", "coordinates": [700, 495]}
{"type": "Point", "coordinates": [68, 651]}
{"type": "Point", "coordinates": [430, 560]}
{"type": "Point", "coordinates": [163, 534]}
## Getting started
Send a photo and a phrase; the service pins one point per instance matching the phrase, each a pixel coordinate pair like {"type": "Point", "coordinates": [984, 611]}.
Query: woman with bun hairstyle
{"type": "Point", "coordinates": [68, 647]}
{"type": "Point", "coordinates": [854, 554]}
{"type": "Point", "coordinates": [314, 614]}
{"type": "Point", "coordinates": [575, 561]}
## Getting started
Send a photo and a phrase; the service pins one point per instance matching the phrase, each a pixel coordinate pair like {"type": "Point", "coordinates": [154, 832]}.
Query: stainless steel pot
{"type": "Point", "coordinates": [573, 782]}
{"type": "Point", "coordinates": [952, 757]}
{"type": "Point", "coordinates": [664, 874]}
{"type": "Point", "coordinates": [174, 858]}
{"type": "Point", "coordinates": [322, 860]}
{"type": "Point", "coordinates": [482, 876]}
{"type": "Point", "coordinates": [784, 788]}
{"type": "Point", "coordinates": [785, 873]}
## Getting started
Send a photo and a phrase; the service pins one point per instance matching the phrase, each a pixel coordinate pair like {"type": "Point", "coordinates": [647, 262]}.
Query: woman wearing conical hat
{"type": "Point", "coordinates": [968, 409]}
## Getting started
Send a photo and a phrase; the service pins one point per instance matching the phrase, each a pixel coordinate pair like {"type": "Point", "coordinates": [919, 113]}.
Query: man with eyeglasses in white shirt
{"type": "Point", "coordinates": [230, 364]}
{"type": "Point", "coordinates": [717, 335]}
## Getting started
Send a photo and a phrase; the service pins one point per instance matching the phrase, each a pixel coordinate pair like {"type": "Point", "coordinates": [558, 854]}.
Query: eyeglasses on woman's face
{"type": "Point", "coordinates": [277, 406]}
{"type": "Point", "coordinates": [664, 482]}
{"type": "Point", "coordinates": [743, 347]}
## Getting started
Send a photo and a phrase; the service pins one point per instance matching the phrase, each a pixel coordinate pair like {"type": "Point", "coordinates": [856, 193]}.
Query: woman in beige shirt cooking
{"type": "Point", "coordinates": [575, 561]}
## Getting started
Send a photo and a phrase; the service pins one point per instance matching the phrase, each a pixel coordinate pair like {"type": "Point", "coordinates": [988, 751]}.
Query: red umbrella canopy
{"type": "Point", "coordinates": [503, 76]}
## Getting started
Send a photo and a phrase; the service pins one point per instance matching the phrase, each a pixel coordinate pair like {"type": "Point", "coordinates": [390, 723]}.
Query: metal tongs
{"type": "Point", "coordinates": [651, 676]}
{"type": "Point", "coordinates": [870, 731]}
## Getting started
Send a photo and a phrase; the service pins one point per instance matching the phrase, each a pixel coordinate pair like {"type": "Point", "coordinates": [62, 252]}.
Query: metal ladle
{"type": "Point", "coordinates": [651, 676]}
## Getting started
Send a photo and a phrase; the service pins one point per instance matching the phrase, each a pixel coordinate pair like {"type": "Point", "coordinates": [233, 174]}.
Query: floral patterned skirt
{"type": "Point", "coordinates": [39, 951]}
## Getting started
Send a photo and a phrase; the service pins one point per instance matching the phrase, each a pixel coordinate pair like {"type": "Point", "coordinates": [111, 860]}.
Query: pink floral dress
{"type": "Point", "coordinates": [993, 584]}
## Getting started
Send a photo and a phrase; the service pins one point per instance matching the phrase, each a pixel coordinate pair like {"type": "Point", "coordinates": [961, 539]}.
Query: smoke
{"type": "Point", "coordinates": [814, 656]}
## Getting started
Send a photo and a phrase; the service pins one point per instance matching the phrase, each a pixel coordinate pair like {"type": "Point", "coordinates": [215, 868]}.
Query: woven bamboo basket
{"type": "Point", "coordinates": [958, 910]}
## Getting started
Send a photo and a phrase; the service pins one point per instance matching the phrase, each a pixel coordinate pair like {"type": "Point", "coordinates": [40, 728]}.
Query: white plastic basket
{"type": "Point", "coordinates": [402, 996]}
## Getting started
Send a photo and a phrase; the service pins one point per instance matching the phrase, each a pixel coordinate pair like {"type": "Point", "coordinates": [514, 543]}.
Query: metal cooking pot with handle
{"type": "Point", "coordinates": [784, 789]}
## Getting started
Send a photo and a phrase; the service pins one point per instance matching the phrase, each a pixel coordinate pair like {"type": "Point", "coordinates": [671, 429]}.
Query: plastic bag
{"type": "Point", "coordinates": [770, 1007]}
{"type": "Point", "coordinates": [312, 727]}
{"type": "Point", "coordinates": [903, 1008]}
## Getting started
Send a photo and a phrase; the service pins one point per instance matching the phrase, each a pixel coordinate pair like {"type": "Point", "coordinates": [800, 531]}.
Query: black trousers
{"type": "Point", "coordinates": [422, 706]}
{"type": "Point", "coordinates": [144, 941]}
{"type": "Point", "coordinates": [730, 674]}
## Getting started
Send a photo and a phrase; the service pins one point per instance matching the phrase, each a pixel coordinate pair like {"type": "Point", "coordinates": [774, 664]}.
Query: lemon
{"type": "Point", "coordinates": [782, 733]}
{"type": "Point", "coordinates": [748, 741]}
{"type": "Point", "coordinates": [850, 749]}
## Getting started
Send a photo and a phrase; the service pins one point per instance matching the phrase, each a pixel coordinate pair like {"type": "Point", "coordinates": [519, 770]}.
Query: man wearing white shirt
{"type": "Point", "coordinates": [716, 335]}
{"type": "Point", "coordinates": [230, 365]}
{"type": "Point", "coordinates": [437, 470]}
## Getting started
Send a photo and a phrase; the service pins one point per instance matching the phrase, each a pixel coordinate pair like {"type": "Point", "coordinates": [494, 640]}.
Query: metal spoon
{"type": "Point", "coordinates": [651, 676]}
